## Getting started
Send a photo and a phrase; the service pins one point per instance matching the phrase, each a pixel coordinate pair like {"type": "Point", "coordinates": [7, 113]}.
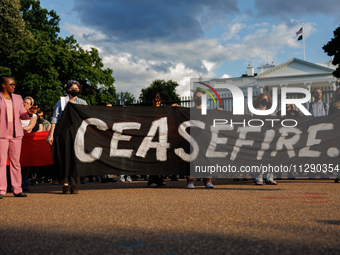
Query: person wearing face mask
{"type": "Point", "coordinates": [289, 110]}
{"type": "Point", "coordinates": [73, 89]}
{"type": "Point", "coordinates": [263, 101]}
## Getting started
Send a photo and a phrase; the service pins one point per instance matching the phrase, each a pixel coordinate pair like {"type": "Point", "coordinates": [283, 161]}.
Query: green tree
{"type": "Point", "coordinates": [332, 48]}
{"type": "Point", "coordinates": [43, 24]}
{"type": "Point", "coordinates": [124, 98]}
{"type": "Point", "coordinates": [12, 27]}
{"type": "Point", "coordinates": [42, 65]}
{"type": "Point", "coordinates": [167, 89]}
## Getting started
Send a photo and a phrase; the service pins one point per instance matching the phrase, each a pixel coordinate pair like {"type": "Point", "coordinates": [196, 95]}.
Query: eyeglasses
{"type": "Point", "coordinates": [157, 100]}
{"type": "Point", "coordinates": [12, 84]}
{"type": "Point", "coordinates": [40, 116]}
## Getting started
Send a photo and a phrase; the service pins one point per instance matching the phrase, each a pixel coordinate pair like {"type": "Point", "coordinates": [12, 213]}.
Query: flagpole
{"type": "Point", "coordinates": [303, 43]}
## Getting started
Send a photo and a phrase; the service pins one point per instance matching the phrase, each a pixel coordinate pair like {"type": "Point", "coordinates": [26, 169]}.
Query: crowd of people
{"type": "Point", "coordinates": [19, 116]}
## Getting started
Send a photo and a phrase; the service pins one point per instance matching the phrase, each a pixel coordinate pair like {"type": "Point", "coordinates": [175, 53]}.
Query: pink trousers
{"type": "Point", "coordinates": [12, 147]}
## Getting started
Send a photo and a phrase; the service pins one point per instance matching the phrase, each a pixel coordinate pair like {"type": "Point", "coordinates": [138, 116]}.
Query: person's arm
{"type": "Point", "coordinates": [56, 112]}
{"type": "Point", "coordinates": [41, 128]}
{"type": "Point", "coordinates": [31, 125]}
{"type": "Point", "coordinates": [49, 137]}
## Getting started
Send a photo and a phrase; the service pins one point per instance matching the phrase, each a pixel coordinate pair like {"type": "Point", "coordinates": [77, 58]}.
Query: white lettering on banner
{"type": "Point", "coordinates": [211, 152]}
{"type": "Point", "coordinates": [242, 140]}
{"type": "Point", "coordinates": [268, 138]}
{"type": "Point", "coordinates": [117, 136]}
{"type": "Point", "coordinates": [182, 131]}
{"type": "Point", "coordinates": [161, 146]}
{"type": "Point", "coordinates": [287, 142]}
{"type": "Point", "coordinates": [79, 143]}
{"type": "Point", "coordinates": [312, 130]}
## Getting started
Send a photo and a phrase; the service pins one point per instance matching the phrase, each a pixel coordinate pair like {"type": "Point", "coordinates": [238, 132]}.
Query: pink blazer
{"type": "Point", "coordinates": [19, 112]}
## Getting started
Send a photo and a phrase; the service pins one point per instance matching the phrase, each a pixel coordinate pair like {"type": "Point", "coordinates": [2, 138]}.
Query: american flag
{"type": "Point", "coordinates": [299, 32]}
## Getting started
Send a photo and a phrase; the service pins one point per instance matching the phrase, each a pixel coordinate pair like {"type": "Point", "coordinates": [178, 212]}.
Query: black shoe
{"type": "Point", "coordinates": [74, 189]}
{"type": "Point", "coordinates": [337, 180]}
{"type": "Point", "coordinates": [20, 195]}
{"type": "Point", "coordinates": [1, 196]}
{"type": "Point", "coordinates": [174, 178]}
{"type": "Point", "coordinates": [66, 190]}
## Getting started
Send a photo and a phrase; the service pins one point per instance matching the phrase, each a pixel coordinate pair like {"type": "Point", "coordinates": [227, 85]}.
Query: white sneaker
{"type": "Point", "coordinates": [190, 186]}
{"type": "Point", "coordinates": [153, 185]}
{"type": "Point", "coordinates": [209, 185]}
{"type": "Point", "coordinates": [128, 178]}
{"type": "Point", "coordinates": [122, 179]}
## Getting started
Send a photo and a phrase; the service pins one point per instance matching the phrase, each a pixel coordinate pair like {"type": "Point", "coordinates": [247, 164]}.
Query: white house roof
{"type": "Point", "coordinates": [296, 67]}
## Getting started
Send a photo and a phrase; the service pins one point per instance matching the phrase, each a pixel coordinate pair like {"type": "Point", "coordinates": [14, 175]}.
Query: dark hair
{"type": "Point", "coordinates": [70, 83]}
{"type": "Point", "coordinates": [40, 111]}
{"type": "Point", "coordinates": [260, 97]}
{"type": "Point", "coordinates": [158, 96]}
{"type": "Point", "coordinates": [3, 79]}
{"type": "Point", "coordinates": [197, 91]}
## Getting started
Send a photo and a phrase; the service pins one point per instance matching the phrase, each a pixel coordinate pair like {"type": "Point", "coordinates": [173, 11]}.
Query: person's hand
{"type": "Point", "coordinates": [33, 109]}
{"type": "Point", "coordinates": [174, 105]}
{"type": "Point", "coordinates": [49, 139]}
{"type": "Point", "coordinates": [219, 108]}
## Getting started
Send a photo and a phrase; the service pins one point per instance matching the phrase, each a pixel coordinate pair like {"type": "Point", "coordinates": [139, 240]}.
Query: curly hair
{"type": "Point", "coordinates": [71, 82]}
{"type": "Point", "coordinates": [258, 99]}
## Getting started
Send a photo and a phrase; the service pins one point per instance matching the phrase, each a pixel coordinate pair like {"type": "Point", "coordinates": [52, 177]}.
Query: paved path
{"type": "Point", "coordinates": [294, 217]}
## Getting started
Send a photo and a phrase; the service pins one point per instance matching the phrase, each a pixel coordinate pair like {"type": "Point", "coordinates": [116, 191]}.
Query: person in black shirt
{"type": "Point", "coordinates": [289, 111]}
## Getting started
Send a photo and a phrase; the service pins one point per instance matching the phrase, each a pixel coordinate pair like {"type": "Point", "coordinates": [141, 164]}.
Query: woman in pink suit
{"type": "Point", "coordinates": [11, 133]}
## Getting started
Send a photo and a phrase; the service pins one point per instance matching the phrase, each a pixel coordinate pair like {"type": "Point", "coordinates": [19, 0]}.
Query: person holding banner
{"type": "Point", "coordinates": [73, 89]}
{"type": "Point", "coordinates": [156, 180]}
{"type": "Point", "coordinates": [263, 101]}
{"type": "Point", "coordinates": [207, 181]}
{"type": "Point", "coordinates": [11, 133]}
{"type": "Point", "coordinates": [334, 109]}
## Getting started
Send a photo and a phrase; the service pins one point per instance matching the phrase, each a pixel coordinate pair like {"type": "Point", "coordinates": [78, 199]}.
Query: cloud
{"type": "Point", "coordinates": [233, 30]}
{"type": "Point", "coordinates": [226, 76]}
{"type": "Point", "coordinates": [153, 20]}
{"type": "Point", "coordinates": [139, 62]}
{"type": "Point", "coordinates": [293, 8]}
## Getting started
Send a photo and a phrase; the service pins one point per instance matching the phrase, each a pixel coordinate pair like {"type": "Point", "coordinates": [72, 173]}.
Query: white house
{"type": "Point", "coordinates": [292, 73]}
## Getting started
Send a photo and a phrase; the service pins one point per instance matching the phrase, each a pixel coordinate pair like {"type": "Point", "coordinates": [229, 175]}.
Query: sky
{"type": "Point", "coordinates": [142, 41]}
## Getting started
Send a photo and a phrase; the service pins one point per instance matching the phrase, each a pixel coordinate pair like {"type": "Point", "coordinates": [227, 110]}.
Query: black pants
{"type": "Point", "coordinates": [72, 180]}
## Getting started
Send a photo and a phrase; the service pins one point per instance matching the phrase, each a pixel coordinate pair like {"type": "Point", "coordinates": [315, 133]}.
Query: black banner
{"type": "Point", "coordinates": [91, 140]}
